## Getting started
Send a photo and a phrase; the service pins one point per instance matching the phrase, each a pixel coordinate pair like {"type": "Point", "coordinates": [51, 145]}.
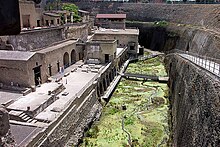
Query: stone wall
{"type": "Point", "coordinates": [194, 97]}
{"type": "Point", "coordinates": [196, 14]}
{"type": "Point", "coordinates": [78, 32]}
{"type": "Point", "coordinates": [30, 40]}
{"type": "Point", "coordinates": [20, 72]}
{"type": "Point", "coordinates": [36, 39]}
{"type": "Point", "coordinates": [69, 127]}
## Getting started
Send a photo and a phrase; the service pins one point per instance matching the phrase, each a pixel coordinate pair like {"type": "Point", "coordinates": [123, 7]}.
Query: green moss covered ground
{"type": "Point", "coordinates": [152, 66]}
{"type": "Point", "coordinates": [144, 107]}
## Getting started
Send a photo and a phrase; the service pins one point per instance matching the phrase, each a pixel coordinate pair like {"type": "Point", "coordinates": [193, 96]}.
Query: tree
{"type": "Point", "coordinates": [70, 8]}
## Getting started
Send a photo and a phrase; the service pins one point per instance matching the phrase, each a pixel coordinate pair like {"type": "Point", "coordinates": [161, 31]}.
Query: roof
{"type": "Point", "coordinates": [52, 14]}
{"type": "Point", "coordinates": [15, 55]}
{"type": "Point", "coordinates": [60, 12]}
{"type": "Point", "coordinates": [117, 32]}
{"type": "Point", "coordinates": [82, 11]}
{"type": "Point", "coordinates": [122, 16]}
{"type": "Point", "coordinates": [57, 46]}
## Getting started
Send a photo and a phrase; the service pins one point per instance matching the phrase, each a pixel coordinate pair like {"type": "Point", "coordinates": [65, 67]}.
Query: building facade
{"type": "Point", "coordinates": [103, 51]}
{"type": "Point", "coordinates": [124, 37]}
{"type": "Point", "coordinates": [111, 21]}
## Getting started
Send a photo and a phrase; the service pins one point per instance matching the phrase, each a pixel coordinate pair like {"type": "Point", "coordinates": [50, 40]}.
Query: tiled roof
{"type": "Point", "coordinates": [123, 16]}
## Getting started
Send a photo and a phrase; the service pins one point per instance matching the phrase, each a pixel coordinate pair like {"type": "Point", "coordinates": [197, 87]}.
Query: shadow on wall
{"type": "Point", "coordinates": [155, 37]}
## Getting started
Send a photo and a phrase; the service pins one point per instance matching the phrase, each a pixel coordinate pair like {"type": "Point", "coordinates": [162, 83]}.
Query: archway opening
{"type": "Point", "coordinates": [73, 56]}
{"type": "Point", "coordinates": [66, 60]}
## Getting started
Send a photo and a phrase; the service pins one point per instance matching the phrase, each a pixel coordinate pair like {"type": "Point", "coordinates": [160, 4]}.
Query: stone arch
{"type": "Point", "coordinates": [73, 56]}
{"type": "Point", "coordinates": [104, 84]}
{"type": "Point", "coordinates": [101, 88]}
{"type": "Point", "coordinates": [187, 48]}
{"type": "Point", "coordinates": [110, 76]}
{"type": "Point", "coordinates": [66, 60]}
{"type": "Point", "coordinates": [107, 80]}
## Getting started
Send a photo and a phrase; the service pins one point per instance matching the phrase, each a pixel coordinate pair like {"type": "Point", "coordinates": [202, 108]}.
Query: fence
{"type": "Point", "coordinates": [210, 64]}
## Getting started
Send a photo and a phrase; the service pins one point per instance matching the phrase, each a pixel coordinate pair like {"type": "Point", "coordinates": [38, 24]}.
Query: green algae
{"type": "Point", "coordinates": [145, 67]}
{"type": "Point", "coordinates": [144, 107]}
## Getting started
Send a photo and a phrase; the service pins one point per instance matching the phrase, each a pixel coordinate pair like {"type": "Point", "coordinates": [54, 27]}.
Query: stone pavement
{"type": "Point", "coordinates": [74, 82]}
{"type": "Point", "coordinates": [7, 95]}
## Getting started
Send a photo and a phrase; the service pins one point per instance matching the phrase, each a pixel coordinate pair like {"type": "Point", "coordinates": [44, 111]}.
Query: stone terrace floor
{"type": "Point", "coordinates": [74, 84]}
{"type": "Point", "coordinates": [7, 95]}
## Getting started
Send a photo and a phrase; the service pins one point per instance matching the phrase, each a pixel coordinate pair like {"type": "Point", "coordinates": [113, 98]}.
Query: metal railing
{"type": "Point", "coordinates": [210, 64]}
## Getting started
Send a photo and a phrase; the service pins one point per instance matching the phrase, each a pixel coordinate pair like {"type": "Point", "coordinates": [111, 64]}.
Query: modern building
{"type": "Point", "coordinates": [111, 21]}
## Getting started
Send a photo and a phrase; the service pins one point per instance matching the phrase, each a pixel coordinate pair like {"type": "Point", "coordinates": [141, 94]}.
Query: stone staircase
{"type": "Point", "coordinates": [23, 117]}
{"type": "Point", "coordinates": [28, 115]}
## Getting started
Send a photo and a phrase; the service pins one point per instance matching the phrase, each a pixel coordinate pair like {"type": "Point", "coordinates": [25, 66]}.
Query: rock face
{"type": "Point", "coordinates": [195, 105]}
{"type": "Point", "coordinates": [4, 121]}
{"type": "Point", "coordinates": [6, 139]}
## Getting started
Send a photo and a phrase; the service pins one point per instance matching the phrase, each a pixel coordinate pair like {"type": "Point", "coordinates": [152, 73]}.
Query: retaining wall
{"type": "Point", "coordinates": [194, 97]}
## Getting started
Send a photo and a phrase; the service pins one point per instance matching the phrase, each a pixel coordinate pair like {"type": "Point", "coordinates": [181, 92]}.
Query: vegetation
{"type": "Point", "coordinates": [144, 107]}
{"type": "Point", "coordinates": [72, 8]}
{"type": "Point", "coordinates": [145, 67]}
{"type": "Point", "coordinates": [161, 23]}
{"type": "Point", "coordinates": [58, 5]}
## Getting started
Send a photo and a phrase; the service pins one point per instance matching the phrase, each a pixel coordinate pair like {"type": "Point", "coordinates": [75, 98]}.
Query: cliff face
{"type": "Point", "coordinates": [201, 41]}
{"type": "Point", "coordinates": [194, 39]}
{"type": "Point", "coordinates": [195, 14]}
{"type": "Point", "coordinates": [195, 105]}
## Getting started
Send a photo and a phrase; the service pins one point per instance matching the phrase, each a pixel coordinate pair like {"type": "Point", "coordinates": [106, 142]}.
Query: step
{"type": "Point", "coordinates": [27, 118]}
{"type": "Point", "coordinates": [22, 115]}
{"type": "Point", "coordinates": [34, 121]}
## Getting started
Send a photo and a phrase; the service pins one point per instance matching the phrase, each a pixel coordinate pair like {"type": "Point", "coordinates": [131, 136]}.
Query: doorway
{"type": "Point", "coordinates": [73, 56]}
{"type": "Point", "coordinates": [66, 60]}
{"type": "Point", "coordinates": [26, 21]}
{"type": "Point", "coordinates": [37, 75]}
{"type": "Point", "coordinates": [106, 58]}
{"type": "Point", "coordinates": [38, 23]}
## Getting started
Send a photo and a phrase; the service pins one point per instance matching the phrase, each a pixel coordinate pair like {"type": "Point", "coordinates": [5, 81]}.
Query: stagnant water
{"type": "Point", "coordinates": [143, 107]}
